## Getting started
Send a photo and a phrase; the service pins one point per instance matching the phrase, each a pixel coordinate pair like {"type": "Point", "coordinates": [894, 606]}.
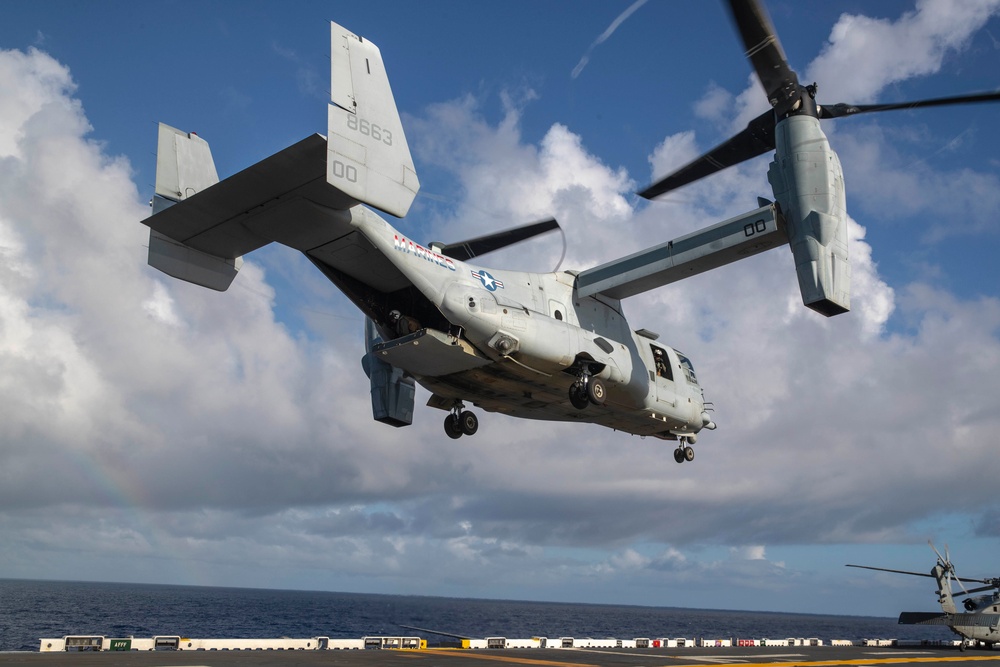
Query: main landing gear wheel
{"type": "Point", "coordinates": [452, 427]}
{"type": "Point", "coordinates": [468, 423]}
{"type": "Point", "coordinates": [596, 392]}
{"type": "Point", "coordinates": [586, 390]}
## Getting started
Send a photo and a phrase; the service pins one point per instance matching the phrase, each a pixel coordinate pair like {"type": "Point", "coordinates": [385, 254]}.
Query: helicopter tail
{"type": "Point", "coordinates": [942, 574]}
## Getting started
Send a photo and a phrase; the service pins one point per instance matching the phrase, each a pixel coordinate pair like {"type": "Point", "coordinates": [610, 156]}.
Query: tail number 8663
{"type": "Point", "coordinates": [369, 129]}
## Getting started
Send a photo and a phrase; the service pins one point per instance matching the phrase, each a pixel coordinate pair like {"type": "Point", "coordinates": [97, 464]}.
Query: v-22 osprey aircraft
{"type": "Point", "coordinates": [548, 346]}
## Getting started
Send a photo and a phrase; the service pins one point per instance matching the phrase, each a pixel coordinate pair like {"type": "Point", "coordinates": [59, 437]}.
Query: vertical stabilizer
{"type": "Point", "coordinates": [184, 164]}
{"type": "Point", "coordinates": [943, 577]}
{"type": "Point", "coordinates": [184, 167]}
{"type": "Point", "coordinates": [367, 155]}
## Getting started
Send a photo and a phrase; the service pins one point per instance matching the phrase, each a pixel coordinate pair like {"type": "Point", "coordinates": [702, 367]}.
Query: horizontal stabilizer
{"type": "Point", "coordinates": [368, 157]}
{"type": "Point", "coordinates": [240, 214]}
{"type": "Point", "coordinates": [712, 247]}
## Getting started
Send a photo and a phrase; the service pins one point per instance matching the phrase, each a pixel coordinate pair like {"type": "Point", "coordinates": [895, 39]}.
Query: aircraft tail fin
{"type": "Point", "coordinates": [368, 158]}
{"type": "Point", "coordinates": [184, 164]}
{"type": "Point", "coordinates": [184, 167]}
{"type": "Point", "coordinates": [942, 574]}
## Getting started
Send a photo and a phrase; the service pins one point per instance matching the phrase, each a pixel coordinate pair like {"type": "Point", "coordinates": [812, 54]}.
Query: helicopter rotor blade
{"type": "Point", "coordinates": [944, 561]}
{"type": "Point", "coordinates": [954, 574]}
{"type": "Point", "coordinates": [466, 250]}
{"type": "Point", "coordinates": [787, 97]}
{"type": "Point", "coordinates": [840, 110]}
{"type": "Point", "coordinates": [980, 589]}
{"type": "Point", "coordinates": [756, 139]}
{"type": "Point", "coordinates": [885, 569]}
{"type": "Point", "coordinates": [765, 54]}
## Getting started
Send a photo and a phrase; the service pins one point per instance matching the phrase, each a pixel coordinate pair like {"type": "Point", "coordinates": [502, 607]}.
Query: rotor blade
{"type": "Point", "coordinates": [937, 553]}
{"type": "Point", "coordinates": [765, 53]}
{"type": "Point", "coordinates": [885, 569]}
{"type": "Point", "coordinates": [979, 590]}
{"type": "Point", "coordinates": [466, 250]}
{"type": "Point", "coordinates": [947, 555]}
{"type": "Point", "coordinates": [841, 110]}
{"type": "Point", "coordinates": [756, 139]}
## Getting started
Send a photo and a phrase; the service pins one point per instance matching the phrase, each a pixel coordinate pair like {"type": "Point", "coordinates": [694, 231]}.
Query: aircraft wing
{"type": "Point", "coordinates": [709, 248]}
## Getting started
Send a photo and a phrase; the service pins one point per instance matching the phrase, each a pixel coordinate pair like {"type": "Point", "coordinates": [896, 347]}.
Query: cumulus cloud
{"type": "Point", "coordinates": [865, 54]}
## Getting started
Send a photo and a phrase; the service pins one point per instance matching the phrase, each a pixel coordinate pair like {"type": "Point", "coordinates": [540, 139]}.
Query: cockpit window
{"type": "Point", "coordinates": [688, 368]}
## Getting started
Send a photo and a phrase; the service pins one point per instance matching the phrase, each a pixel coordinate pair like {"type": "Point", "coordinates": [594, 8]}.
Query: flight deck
{"type": "Point", "coordinates": [759, 656]}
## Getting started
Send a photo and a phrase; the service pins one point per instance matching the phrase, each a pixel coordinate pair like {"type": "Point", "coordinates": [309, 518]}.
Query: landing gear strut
{"type": "Point", "coordinates": [460, 422]}
{"type": "Point", "coordinates": [684, 451]}
{"type": "Point", "coordinates": [586, 390]}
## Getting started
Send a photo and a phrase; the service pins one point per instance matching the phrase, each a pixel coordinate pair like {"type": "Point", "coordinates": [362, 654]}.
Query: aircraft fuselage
{"type": "Point", "coordinates": [529, 337]}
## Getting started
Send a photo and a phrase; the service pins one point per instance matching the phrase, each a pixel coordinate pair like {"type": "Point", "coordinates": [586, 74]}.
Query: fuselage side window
{"type": "Point", "coordinates": [661, 362]}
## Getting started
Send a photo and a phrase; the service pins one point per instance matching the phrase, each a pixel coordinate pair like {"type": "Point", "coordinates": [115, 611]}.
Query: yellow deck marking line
{"type": "Point", "coordinates": [500, 658]}
{"type": "Point", "coordinates": [828, 663]}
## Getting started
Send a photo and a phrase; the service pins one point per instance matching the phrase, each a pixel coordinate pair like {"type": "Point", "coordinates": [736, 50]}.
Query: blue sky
{"type": "Point", "coordinates": [153, 431]}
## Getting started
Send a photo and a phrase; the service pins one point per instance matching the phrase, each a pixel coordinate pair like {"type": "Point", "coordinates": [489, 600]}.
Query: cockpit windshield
{"type": "Point", "coordinates": [688, 368]}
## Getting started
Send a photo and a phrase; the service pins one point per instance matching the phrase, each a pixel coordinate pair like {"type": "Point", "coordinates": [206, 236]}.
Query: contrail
{"type": "Point", "coordinates": [604, 35]}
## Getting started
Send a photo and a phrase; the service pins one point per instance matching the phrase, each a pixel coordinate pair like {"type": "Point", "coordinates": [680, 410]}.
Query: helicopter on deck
{"type": "Point", "coordinates": [548, 346]}
{"type": "Point", "coordinates": [980, 622]}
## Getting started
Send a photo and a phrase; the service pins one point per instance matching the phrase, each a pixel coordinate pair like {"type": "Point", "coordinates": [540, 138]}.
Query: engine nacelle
{"type": "Point", "coordinates": [808, 184]}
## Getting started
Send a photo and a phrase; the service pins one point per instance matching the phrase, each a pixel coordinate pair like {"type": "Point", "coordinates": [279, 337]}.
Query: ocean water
{"type": "Point", "coordinates": [30, 610]}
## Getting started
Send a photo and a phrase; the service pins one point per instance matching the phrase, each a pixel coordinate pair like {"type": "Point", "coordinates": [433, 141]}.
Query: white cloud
{"type": "Point", "coordinates": [864, 54]}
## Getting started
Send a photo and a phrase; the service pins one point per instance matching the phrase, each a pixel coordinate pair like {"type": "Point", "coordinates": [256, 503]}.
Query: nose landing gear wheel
{"type": "Point", "coordinates": [683, 453]}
